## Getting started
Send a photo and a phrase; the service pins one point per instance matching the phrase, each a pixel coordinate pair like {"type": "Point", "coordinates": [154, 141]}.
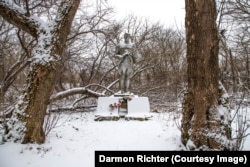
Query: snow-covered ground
{"type": "Point", "coordinates": [76, 137]}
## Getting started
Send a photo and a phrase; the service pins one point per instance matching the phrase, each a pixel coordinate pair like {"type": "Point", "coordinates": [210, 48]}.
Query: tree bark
{"type": "Point", "coordinates": [27, 120]}
{"type": "Point", "coordinates": [200, 122]}
{"type": "Point", "coordinates": [1, 79]}
{"type": "Point", "coordinates": [15, 15]}
{"type": "Point", "coordinates": [41, 83]}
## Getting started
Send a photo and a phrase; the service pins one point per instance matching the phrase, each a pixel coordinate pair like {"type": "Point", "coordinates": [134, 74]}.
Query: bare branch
{"type": "Point", "coordinates": [17, 16]}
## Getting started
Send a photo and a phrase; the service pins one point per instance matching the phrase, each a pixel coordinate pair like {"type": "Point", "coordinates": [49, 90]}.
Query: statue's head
{"type": "Point", "coordinates": [126, 37]}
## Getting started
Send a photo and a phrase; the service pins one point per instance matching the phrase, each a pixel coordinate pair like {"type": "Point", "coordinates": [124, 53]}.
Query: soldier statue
{"type": "Point", "coordinates": [127, 55]}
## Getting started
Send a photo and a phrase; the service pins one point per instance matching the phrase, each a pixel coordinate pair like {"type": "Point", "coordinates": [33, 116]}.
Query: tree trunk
{"type": "Point", "coordinates": [26, 124]}
{"type": "Point", "coordinates": [42, 79]}
{"type": "Point", "coordinates": [1, 79]}
{"type": "Point", "coordinates": [248, 69]}
{"type": "Point", "coordinates": [203, 126]}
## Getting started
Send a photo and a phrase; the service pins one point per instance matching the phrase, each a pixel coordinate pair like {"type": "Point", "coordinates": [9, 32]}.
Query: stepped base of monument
{"type": "Point", "coordinates": [138, 117]}
{"type": "Point", "coordinates": [126, 117]}
{"type": "Point", "coordinates": [107, 117]}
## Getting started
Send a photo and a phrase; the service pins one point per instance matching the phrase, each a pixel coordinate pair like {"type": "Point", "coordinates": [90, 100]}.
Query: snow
{"type": "Point", "coordinates": [13, 6]}
{"type": "Point", "coordinates": [77, 136]}
{"type": "Point", "coordinates": [77, 90]}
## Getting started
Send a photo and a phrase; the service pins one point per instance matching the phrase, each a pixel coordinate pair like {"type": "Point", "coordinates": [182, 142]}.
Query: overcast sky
{"type": "Point", "coordinates": [168, 12]}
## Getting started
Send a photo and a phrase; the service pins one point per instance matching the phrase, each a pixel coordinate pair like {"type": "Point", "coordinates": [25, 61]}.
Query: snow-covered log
{"type": "Point", "coordinates": [80, 90]}
{"type": "Point", "coordinates": [74, 91]}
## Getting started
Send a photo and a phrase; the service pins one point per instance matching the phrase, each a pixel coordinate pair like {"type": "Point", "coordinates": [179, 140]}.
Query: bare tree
{"type": "Point", "coordinates": [204, 123]}
{"type": "Point", "coordinates": [1, 79]}
{"type": "Point", "coordinates": [27, 121]}
{"type": "Point", "coordinates": [235, 37]}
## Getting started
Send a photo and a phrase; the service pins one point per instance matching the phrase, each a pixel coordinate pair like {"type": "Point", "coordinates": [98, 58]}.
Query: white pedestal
{"type": "Point", "coordinates": [110, 108]}
{"type": "Point", "coordinates": [138, 109]}
{"type": "Point", "coordinates": [104, 111]}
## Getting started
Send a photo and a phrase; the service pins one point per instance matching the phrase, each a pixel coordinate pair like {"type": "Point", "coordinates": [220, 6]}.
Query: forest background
{"type": "Point", "coordinates": [160, 73]}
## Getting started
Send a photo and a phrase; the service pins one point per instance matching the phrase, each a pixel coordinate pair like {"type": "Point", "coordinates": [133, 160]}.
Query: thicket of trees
{"type": "Point", "coordinates": [80, 66]}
